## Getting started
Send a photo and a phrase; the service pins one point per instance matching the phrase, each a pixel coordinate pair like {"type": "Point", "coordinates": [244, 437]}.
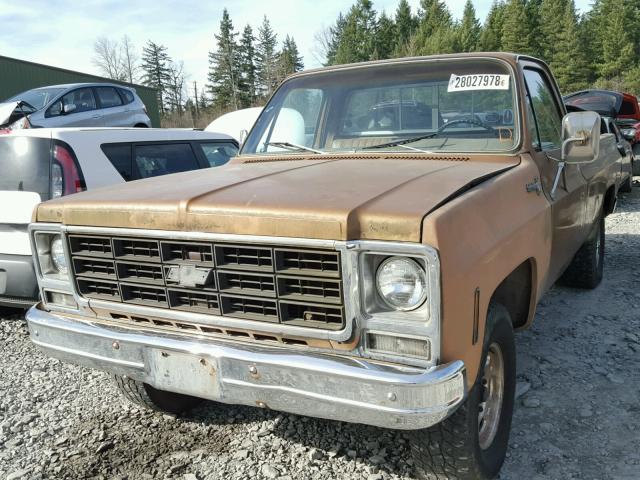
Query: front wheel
{"type": "Point", "coordinates": [627, 186]}
{"type": "Point", "coordinates": [472, 443]}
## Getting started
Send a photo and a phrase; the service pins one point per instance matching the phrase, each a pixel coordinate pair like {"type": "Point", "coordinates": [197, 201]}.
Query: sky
{"type": "Point", "coordinates": [62, 32]}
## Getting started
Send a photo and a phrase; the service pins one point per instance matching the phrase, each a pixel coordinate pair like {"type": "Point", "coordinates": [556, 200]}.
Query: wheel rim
{"type": "Point", "coordinates": [490, 406]}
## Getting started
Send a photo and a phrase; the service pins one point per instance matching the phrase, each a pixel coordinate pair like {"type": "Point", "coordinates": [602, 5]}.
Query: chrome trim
{"type": "Point", "coordinates": [424, 321]}
{"type": "Point", "coordinates": [312, 384]}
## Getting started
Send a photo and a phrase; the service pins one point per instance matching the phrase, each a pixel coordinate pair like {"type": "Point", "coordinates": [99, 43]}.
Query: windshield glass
{"type": "Point", "coordinates": [462, 105]}
{"type": "Point", "coordinates": [38, 97]}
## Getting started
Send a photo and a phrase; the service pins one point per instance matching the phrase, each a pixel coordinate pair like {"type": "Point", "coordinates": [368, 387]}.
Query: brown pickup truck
{"type": "Point", "coordinates": [367, 258]}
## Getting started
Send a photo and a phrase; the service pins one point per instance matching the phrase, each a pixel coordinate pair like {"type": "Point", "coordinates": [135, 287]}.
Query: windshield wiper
{"type": "Point", "coordinates": [294, 146]}
{"type": "Point", "coordinates": [397, 143]}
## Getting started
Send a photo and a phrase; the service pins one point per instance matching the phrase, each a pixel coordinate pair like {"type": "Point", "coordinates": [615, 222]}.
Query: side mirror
{"type": "Point", "coordinates": [580, 137]}
{"type": "Point", "coordinates": [68, 108]}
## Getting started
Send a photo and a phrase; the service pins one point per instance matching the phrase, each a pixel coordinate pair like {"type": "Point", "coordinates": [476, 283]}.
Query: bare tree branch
{"type": "Point", "coordinates": [108, 58]}
{"type": "Point", "coordinates": [129, 59]}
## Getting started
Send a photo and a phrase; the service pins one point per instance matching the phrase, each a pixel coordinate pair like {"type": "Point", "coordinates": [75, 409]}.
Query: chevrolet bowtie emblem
{"type": "Point", "coordinates": [190, 275]}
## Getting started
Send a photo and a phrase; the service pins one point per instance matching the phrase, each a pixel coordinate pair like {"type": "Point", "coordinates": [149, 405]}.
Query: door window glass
{"type": "Point", "coordinates": [120, 158]}
{"type": "Point", "coordinates": [108, 97]}
{"type": "Point", "coordinates": [80, 100]}
{"type": "Point", "coordinates": [548, 119]}
{"type": "Point", "coordinates": [219, 153]}
{"type": "Point", "coordinates": [156, 160]}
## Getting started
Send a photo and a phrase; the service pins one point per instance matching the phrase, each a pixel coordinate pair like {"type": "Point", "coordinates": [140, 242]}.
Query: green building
{"type": "Point", "coordinates": [18, 75]}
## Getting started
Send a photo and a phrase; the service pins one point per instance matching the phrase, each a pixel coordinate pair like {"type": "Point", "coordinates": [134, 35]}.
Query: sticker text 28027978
{"type": "Point", "coordinates": [483, 81]}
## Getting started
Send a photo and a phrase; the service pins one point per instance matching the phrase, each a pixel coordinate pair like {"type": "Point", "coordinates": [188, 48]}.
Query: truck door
{"type": "Point", "coordinates": [568, 203]}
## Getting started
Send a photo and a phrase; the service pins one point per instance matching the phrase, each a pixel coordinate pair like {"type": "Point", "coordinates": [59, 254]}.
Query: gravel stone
{"type": "Point", "coordinates": [270, 471]}
{"type": "Point", "coordinates": [563, 357]}
{"type": "Point", "coordinates": [531, 402]}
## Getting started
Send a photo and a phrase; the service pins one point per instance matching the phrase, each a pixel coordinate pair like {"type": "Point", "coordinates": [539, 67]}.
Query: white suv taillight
{"type": "Point", "coordinates": [65, 178]}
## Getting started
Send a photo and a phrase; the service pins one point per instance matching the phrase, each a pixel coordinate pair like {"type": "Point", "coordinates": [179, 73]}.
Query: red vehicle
{"type": "Point", "coordinates": [623, 107]}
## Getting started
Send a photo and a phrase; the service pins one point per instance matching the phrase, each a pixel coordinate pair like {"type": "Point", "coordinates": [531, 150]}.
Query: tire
{"type": "Point", "coordinates": [146, 396]}
{"type": "Point", "coordinates": [627, 185]}
{"type": "Point", "coordinates": [635, 169]}
{"type": "Point", "coordinates": [455, 449]}
{"type": "Point", "coordinates": [587, 266]}
{"type": "Point", "coordinates": [140, 125]}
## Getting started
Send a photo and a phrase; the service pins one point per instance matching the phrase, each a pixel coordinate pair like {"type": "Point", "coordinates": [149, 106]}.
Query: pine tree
{"type": "Point", "coordinates": [155, 65]}
{"type": "Point", "coordinates": [224, 75]}
{"type": "Point", "coordinates": [290, 60]}
{"type": "Point", "coordinates": [385, 37]}
{"type": "Point", "coordinates": [491, 36]}
{"type": "Point", "coordinates": [551, 12]}
{"type": "Point", "coordinates": [266, 59]}
{"type": "Point", "coordinates": [357, 41]}
{"type": "Point", "coordinates": [469, 29]}
{"type": "Point", "coordinates": [335, 36]}
{"type": "Point", "coordinates": [406, 24]}
{"type": "Point", "coordinates": [569, 63]}
{"type": "Point", "coordinates": [618, 53]}
{"type": "Point", "coordinates": [516, 31]}
{"type": "Point", "coordinates": [435, 34]}
{"type": "Point", "coordinates": [247, 67]}
{"type": "Point", "coordinates": [532, 9]}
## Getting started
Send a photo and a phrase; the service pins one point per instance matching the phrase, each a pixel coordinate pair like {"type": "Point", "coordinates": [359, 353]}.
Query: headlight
{"type": "Point", "coordinates": [628, 132]}
{"type": "Point", "coordinates": [57, 255]}
{"type": "Point", "coordinates": [401, 283]}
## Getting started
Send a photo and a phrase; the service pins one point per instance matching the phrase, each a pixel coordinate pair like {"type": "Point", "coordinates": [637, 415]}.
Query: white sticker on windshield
{"type": "Point", "coordinates": [483, 81]}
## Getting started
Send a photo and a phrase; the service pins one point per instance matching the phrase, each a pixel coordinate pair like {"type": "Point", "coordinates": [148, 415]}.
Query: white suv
{"type": "Point", "coordinates": [40, 164]}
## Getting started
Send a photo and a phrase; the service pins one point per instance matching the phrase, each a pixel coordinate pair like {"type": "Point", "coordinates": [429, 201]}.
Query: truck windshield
{"type": "Point", "coordinates": [465, 105]}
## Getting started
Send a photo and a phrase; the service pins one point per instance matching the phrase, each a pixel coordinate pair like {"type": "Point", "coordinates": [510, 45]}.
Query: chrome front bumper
{"type": "Point", "coordinates": [312, 384]}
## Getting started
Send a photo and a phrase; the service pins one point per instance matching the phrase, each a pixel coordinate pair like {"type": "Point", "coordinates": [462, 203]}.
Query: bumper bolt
{"type": "Point", "coordinates": [115, 345]}
{"type": "Point", "coordinates": [253, 370]}
{"type": "Point", "coordinates": [392, 396]}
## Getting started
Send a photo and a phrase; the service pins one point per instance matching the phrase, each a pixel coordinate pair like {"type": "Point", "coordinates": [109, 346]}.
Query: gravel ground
{"type": "Point", "coordinates": [577, 415]}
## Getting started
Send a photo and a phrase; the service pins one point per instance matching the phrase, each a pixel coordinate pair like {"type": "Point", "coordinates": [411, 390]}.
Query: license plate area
{"type": "Point", "coordinates": [184, 373]}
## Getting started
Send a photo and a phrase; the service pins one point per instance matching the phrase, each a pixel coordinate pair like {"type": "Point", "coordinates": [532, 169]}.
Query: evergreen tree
{"type": "Point", "coordinates": [551, 12]}
{"type": "Point", "coordinates": [469, 29]}
{"type": "Point", "coordinates": [569, 63]}
{"type": "Point", "coordinates": [357, 40]}
{"type": "Point", "coordinates": [335, 34]}
{"type": "Point", "coordinates": [266, 59]}
{"type": "Point", "coordinates": [532, 9]}
{"type": "Point", "coordinates": [436, 33]}
{"type": "Point", "coordinates": [491, 36]}
{"type": "Point", "coordinates": [405, 25]}
{"type": "Point", "coordinates": [290, 60]}
{"type": "Point", "coordinates": [618, 52]}
{"type": "Point", "coordinates": [155, 65]}
{"type": "Point", "coordinates": [224, 75]}
{"type": "Point", "coordinates": [247, 67]}
{"type": "Point", "coordinates": [516, 31]}
{"type": "Point", "coordinates": [385, 37]}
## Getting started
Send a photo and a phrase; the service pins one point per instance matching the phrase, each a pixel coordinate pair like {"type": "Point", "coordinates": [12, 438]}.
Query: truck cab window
{"type": "Point", "coordinates": [548, 119]}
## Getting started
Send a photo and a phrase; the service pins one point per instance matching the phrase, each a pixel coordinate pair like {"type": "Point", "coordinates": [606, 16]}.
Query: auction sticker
{"type": "Point", "coordinates": [483, 81]}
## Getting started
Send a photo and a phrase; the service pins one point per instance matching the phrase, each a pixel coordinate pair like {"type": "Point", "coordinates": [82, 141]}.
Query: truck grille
{"type": "Point", "coordinates": [286, 285]}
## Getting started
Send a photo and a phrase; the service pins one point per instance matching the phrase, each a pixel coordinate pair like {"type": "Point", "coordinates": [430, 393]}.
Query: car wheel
{"type": "Point", "coordinates": [144, 395]}
{"type": "Point", "coordinates": [140, 125]}
{"type": "Point", "coordinates": [635, 167]}
{"type": "Point", "coordinates": [472, 443]}
{"type": "Point", "coordinates": [626, 186]}
{"type": "Point", "coordinates": [587, 266]}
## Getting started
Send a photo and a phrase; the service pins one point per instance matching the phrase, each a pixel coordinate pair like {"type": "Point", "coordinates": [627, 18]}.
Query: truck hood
{"type": "Point", "coordinates": [336, 198]}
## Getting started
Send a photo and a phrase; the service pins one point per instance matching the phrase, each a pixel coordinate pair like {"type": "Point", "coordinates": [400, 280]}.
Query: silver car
{"type": "Point", "coordinates": [75, 105]}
